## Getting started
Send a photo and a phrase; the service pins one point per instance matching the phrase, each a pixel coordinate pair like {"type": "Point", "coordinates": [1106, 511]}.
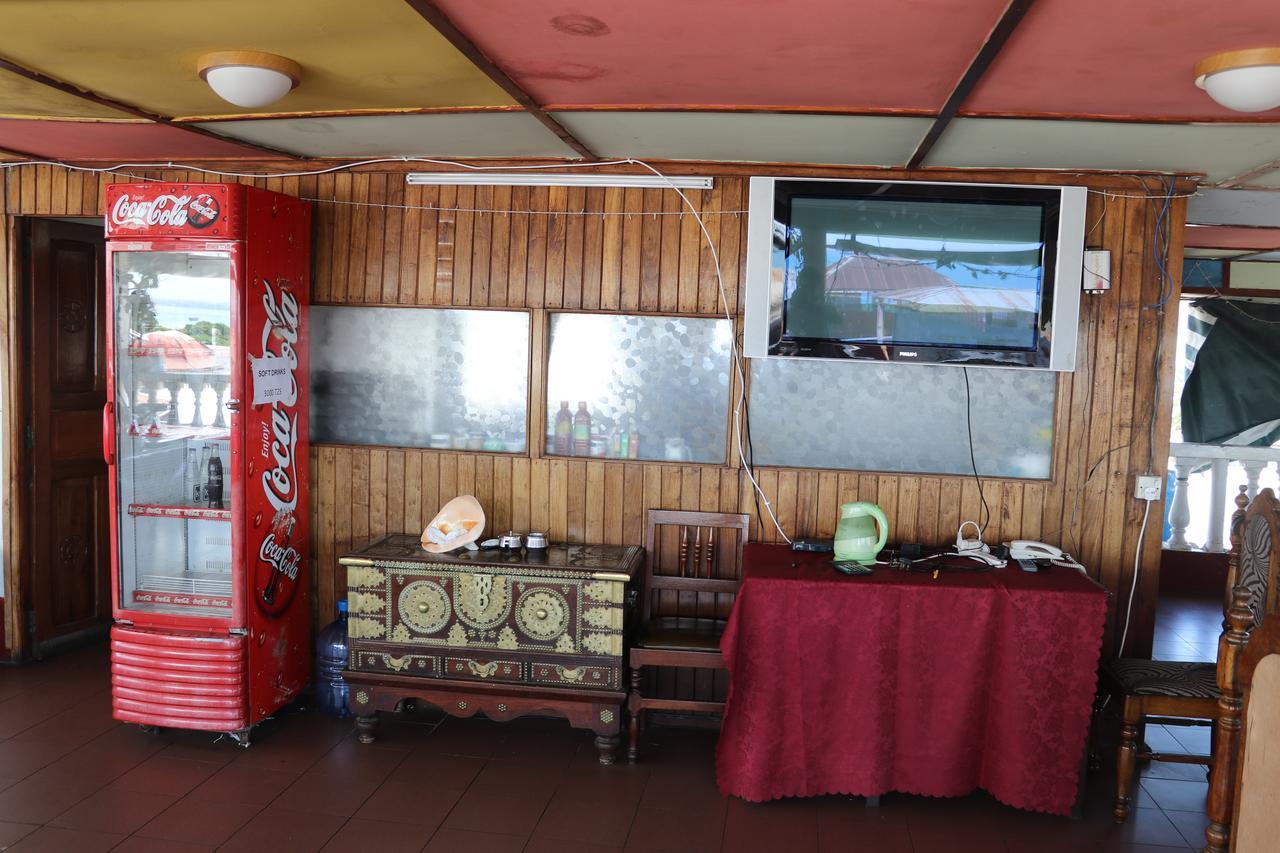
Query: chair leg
{"type": "Point", "coordinates": [1126, 756]}
{"type": "Point", "coordinates": [633, 742]}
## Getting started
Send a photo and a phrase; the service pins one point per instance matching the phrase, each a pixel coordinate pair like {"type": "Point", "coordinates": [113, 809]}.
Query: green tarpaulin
{"type": "Point", "coordinates": [1233, 392]}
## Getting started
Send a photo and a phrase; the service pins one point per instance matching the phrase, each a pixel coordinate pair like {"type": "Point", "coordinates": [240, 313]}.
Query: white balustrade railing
{"type": "Point", "coordinates": [1186, 458]}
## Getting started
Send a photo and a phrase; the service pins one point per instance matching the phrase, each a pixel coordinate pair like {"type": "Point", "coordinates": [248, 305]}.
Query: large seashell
{"type": "Point", "coordinates": [458, 523]}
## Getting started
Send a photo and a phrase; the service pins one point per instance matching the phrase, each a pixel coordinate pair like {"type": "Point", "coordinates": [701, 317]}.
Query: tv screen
{"type": "Point", "coordinates": [912, 271]}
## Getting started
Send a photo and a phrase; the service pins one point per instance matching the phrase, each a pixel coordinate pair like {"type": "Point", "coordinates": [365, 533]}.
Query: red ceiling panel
{"type": "Point", "coordinates": [1122, 58]}
{"type": "Point", "coordinates": [846, 54]}
{"type": "Point", "coordinates": [73, 140]}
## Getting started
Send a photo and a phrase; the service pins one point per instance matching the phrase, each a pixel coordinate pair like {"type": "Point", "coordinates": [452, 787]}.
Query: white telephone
{"type": "Point", "coordinates": [1025, 549]}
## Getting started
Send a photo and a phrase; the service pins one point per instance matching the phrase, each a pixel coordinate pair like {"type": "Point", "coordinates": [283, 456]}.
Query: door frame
{"type": "Point", "coordinates": [15, 465]}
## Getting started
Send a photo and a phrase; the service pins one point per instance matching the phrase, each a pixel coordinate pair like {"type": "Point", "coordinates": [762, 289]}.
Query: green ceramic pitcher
{"type": "Point", "coordinates": [856, 535]}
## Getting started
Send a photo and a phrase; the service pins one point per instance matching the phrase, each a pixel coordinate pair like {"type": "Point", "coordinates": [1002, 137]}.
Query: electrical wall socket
{"type": "Point", "coordinates": [1147, 488]}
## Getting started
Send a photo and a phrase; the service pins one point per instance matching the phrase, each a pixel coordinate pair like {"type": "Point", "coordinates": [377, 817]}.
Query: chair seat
{"type": "Point", "coordinates": [681, 633]}
{"type": "Point", "coordinates": [1165, 678]}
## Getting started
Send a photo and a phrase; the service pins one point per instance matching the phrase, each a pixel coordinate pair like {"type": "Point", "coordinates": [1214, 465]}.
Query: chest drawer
{"type": "Point", "coordinates": [402, 664]}
{"type": "Point", "coordinates": [484, 670]}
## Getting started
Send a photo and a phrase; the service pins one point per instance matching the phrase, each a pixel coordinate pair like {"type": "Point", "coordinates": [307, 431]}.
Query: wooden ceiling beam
{"type": "Point", "coordinates": [1000, 33]}
{"type": "Point", "coordinates": [130, 109]}
{"type": "Point", "coordinates": [1245, 177]}
{"type": "Point", "coordinates": [440, 21]}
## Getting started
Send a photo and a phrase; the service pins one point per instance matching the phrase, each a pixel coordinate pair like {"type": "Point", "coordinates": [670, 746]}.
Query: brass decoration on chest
{"type": "Point", "coordinates": [542, 614]}
{"type": "Point", "coordinates": [424, 606]}
{"type": "Point", "coordinates": [482, 601]}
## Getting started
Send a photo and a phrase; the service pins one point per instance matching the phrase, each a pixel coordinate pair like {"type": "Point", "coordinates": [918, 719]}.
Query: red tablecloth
{"type": "Point", "coordinates": [900, 682]}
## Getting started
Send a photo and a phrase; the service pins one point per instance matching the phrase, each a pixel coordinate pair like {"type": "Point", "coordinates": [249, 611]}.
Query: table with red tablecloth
{"type": "Point", "coordinates": [899, 681]}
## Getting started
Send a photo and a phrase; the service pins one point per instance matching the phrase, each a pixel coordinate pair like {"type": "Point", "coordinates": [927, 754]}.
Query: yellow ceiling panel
{"type": "Point", "coordinates": [23, 98]}
{"type": "Point", "coordinates": [355, 54]}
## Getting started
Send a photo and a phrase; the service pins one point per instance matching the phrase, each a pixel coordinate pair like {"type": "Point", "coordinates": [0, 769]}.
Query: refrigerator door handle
{"type": "Point", "coordinates": [233, 406]}
{"type": "Point", "coordinates": [108, 446]}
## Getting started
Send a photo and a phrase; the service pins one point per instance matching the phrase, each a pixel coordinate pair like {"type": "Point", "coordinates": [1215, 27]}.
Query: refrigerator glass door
{"type": "Point", "coordinates": [173, 360]}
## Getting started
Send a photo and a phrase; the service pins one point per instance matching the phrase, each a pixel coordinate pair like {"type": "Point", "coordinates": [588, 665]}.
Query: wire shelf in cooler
{"type": "Point", "coordinates": [189, 583]}
{"type": "Point", "coordinates": [174, 511]}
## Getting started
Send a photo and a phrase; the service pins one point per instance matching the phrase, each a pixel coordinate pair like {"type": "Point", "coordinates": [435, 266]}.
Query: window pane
{"type": "Point", "coordinates": [420, 377]}
{"type": "Point", "coordinates": [895, 417]}
{"type": "Point", "coordinates": [631, 387]}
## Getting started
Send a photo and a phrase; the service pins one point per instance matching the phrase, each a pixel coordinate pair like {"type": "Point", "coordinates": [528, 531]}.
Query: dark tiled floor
{"type": "Point", "coordinates": [71, 779]}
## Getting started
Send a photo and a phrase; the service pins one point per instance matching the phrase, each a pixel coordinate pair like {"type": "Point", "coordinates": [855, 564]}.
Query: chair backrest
{"type": "Point", "coordinates": [1255, 563]}
{"type": "Point", "coordinates": [1258, 560]}
{"type": "Point", "coordinates": [692, 562]}
{"type": "Point", "coordinates": [1257, 797]}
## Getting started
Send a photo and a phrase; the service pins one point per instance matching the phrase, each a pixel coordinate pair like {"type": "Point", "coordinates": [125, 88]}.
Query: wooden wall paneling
{"type": "Point", "coordinates": [614, 510]}
{"type": "Point", "coordinates": [558, 529]}
{"type": "Point", "coordinates": [501, 506]}
{"type": "Point", "coordinates": [58, 192]}
{"type": "Point", "coordinates": [466, 482]}
{"type": "Point", "coordinates": [499, 248]}
{"type": "Point", "coordinates": [827, 506]}
{"type": "Point", "coordinates": [324, 499]}
{"type": "Point", "coordinates": [411, 517]}
{"type": "Point", "coordinates": [359, 240]}
{"type": "Point", "coordinates": [42, 188]}
{"type": "Point", "coordinates": [535, 283]}
{"type": "Point", "coordinates": [650, 248]}
{"type": "Point", "coordinates": [482, 246]}
{"type": "Point", "coordinates": [557, 233]}
{"type": "Point", "coordinates": [339, 241]}
{"type": "Point", "coordinates": [446, 228]}
{"type": "Point", "coordinates": [690, 254]}
{"type": "Point", "coordinates": [392, 247]}
{"type": "Point", "coordinates": [595, 496]}
{"type": "Point", "coordinates": [406, 288]}
{"type": "Point", "coordinates": [576, 501]}
{"type": "Point", "coordinates": [708, 285]}
{"type": "Point", "coordinates": [30, 204]}
{"type": "Point", "coordinates": [341, 514]}
{"type": "Point", "coordinates": [730, 243]}
{"type": "Point", "coordinates": [632, 231]}
{"type": "Point", "coordinates": [611, 250]}
{"type": "Point", "coordinates": [669, 261]}
{"type": "Point", "coordinates": [430, 499]}
{"type": "Point", "coordinates": [463, 240]}
{"type": "Point", "coordinates": [428, 249]}
{"type": "Point", "coordinates": [375, 215]}
{"type": "Point", "coordinates": [907, 527]}
{"type": "Point", "coordinates": [575, 231]}
{"type": "Point", "coordinates": [540, 495]}
{"type": "Point", "coordinates": [927, 521]}
{"type": "Point", "coordinates": [518, 251]}
{"type": "Point", "coordinates": [592, 249]}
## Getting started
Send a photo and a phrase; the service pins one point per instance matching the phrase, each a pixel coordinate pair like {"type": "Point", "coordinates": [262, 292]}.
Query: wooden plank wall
{"type": "Point", "coordinates": [602, 250]}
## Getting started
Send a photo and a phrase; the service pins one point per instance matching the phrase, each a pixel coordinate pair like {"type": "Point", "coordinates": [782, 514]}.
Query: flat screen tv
{"type": "Point", "coordinates": [939, 273]}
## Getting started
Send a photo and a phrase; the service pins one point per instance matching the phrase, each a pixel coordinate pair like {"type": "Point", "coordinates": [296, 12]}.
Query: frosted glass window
{"type": "Point", "coordinates": [894, 417]}
{"type": "Point", "coordinates": [420, 377]}
{"type": "Point", "coordinates": [635, 387]}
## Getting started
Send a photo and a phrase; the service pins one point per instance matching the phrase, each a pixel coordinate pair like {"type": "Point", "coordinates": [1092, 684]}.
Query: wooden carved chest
{"type": "Point", "coordinates": [503, 633]}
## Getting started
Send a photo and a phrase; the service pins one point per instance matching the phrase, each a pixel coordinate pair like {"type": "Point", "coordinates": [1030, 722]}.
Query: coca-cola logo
{"type": "Point", "coordinates": [280, 562]}
{"type": "Point", "coordinates": [165, 211]}
{"type": "Point", "coordinates": [282, 557]}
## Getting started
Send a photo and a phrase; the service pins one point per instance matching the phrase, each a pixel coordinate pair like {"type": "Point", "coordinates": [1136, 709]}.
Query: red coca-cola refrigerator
{"type": "Point", "coordinates": [205, 434]}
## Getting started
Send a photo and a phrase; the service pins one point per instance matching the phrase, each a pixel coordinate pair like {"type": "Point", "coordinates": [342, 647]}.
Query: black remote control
{"type": "Point", "coordinates": [851, 567]}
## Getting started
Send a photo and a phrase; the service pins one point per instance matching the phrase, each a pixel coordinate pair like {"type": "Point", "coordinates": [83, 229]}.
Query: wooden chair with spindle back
{"type": "Point", "coordinates": [1183, 693]}
{"type": "Point", "coordinates": [670, 634]}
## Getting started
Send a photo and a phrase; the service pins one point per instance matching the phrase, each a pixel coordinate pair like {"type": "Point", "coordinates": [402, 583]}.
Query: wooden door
{"type": "Point", "coordinates": [69, 554]}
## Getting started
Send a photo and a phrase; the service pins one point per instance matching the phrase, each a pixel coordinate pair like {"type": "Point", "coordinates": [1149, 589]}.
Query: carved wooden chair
{"type": "Point", "coordinates": [693, 565]}
{"type": "Point", "coordinates": [1252, 635]}
{"type": "Point", "coordinates": [1182, 693]}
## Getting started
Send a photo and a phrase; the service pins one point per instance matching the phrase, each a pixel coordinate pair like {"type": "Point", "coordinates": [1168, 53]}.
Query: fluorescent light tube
{"type": "Point", "coordinates": [548, 179]}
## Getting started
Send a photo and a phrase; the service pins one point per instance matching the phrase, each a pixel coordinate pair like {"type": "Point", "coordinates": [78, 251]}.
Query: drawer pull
{"type": "Point", "coordinates": [571, 675]}
{"type": "Point", "coordinates": [482, 670]}
{"type": "Point", "coordinates": [396, 664]}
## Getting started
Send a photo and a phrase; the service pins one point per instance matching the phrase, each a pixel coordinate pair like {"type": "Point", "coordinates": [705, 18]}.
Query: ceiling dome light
{"type": "Point", "coordinates": [249, 78]}
{"type": "Point", "coordinates": [1247, 81]}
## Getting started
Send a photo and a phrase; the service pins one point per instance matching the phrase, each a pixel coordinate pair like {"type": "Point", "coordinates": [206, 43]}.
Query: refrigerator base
{"type": "Point", "coordinates": [179, 680]}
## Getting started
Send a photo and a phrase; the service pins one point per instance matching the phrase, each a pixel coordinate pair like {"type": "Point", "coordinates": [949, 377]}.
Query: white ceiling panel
{"type": "Point", "coordinates": [1265, 257]}
{"type": "Point", "coordinates": [471, 134]}
{"type": "Point", "coordinates": [1220, 151]}
{"type": "Point", "coordinates": [1269, 179]}
{"type": "Point", "coordinates": [1193, 252]}
{"type": "Point", "coordinates": [748, 137]}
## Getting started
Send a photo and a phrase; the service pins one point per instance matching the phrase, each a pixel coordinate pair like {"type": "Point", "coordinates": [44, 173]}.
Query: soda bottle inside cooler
{"type": "Point", "coordinates": [331, 660]}
{"type": "Point", "coordinates": [213, 489]}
